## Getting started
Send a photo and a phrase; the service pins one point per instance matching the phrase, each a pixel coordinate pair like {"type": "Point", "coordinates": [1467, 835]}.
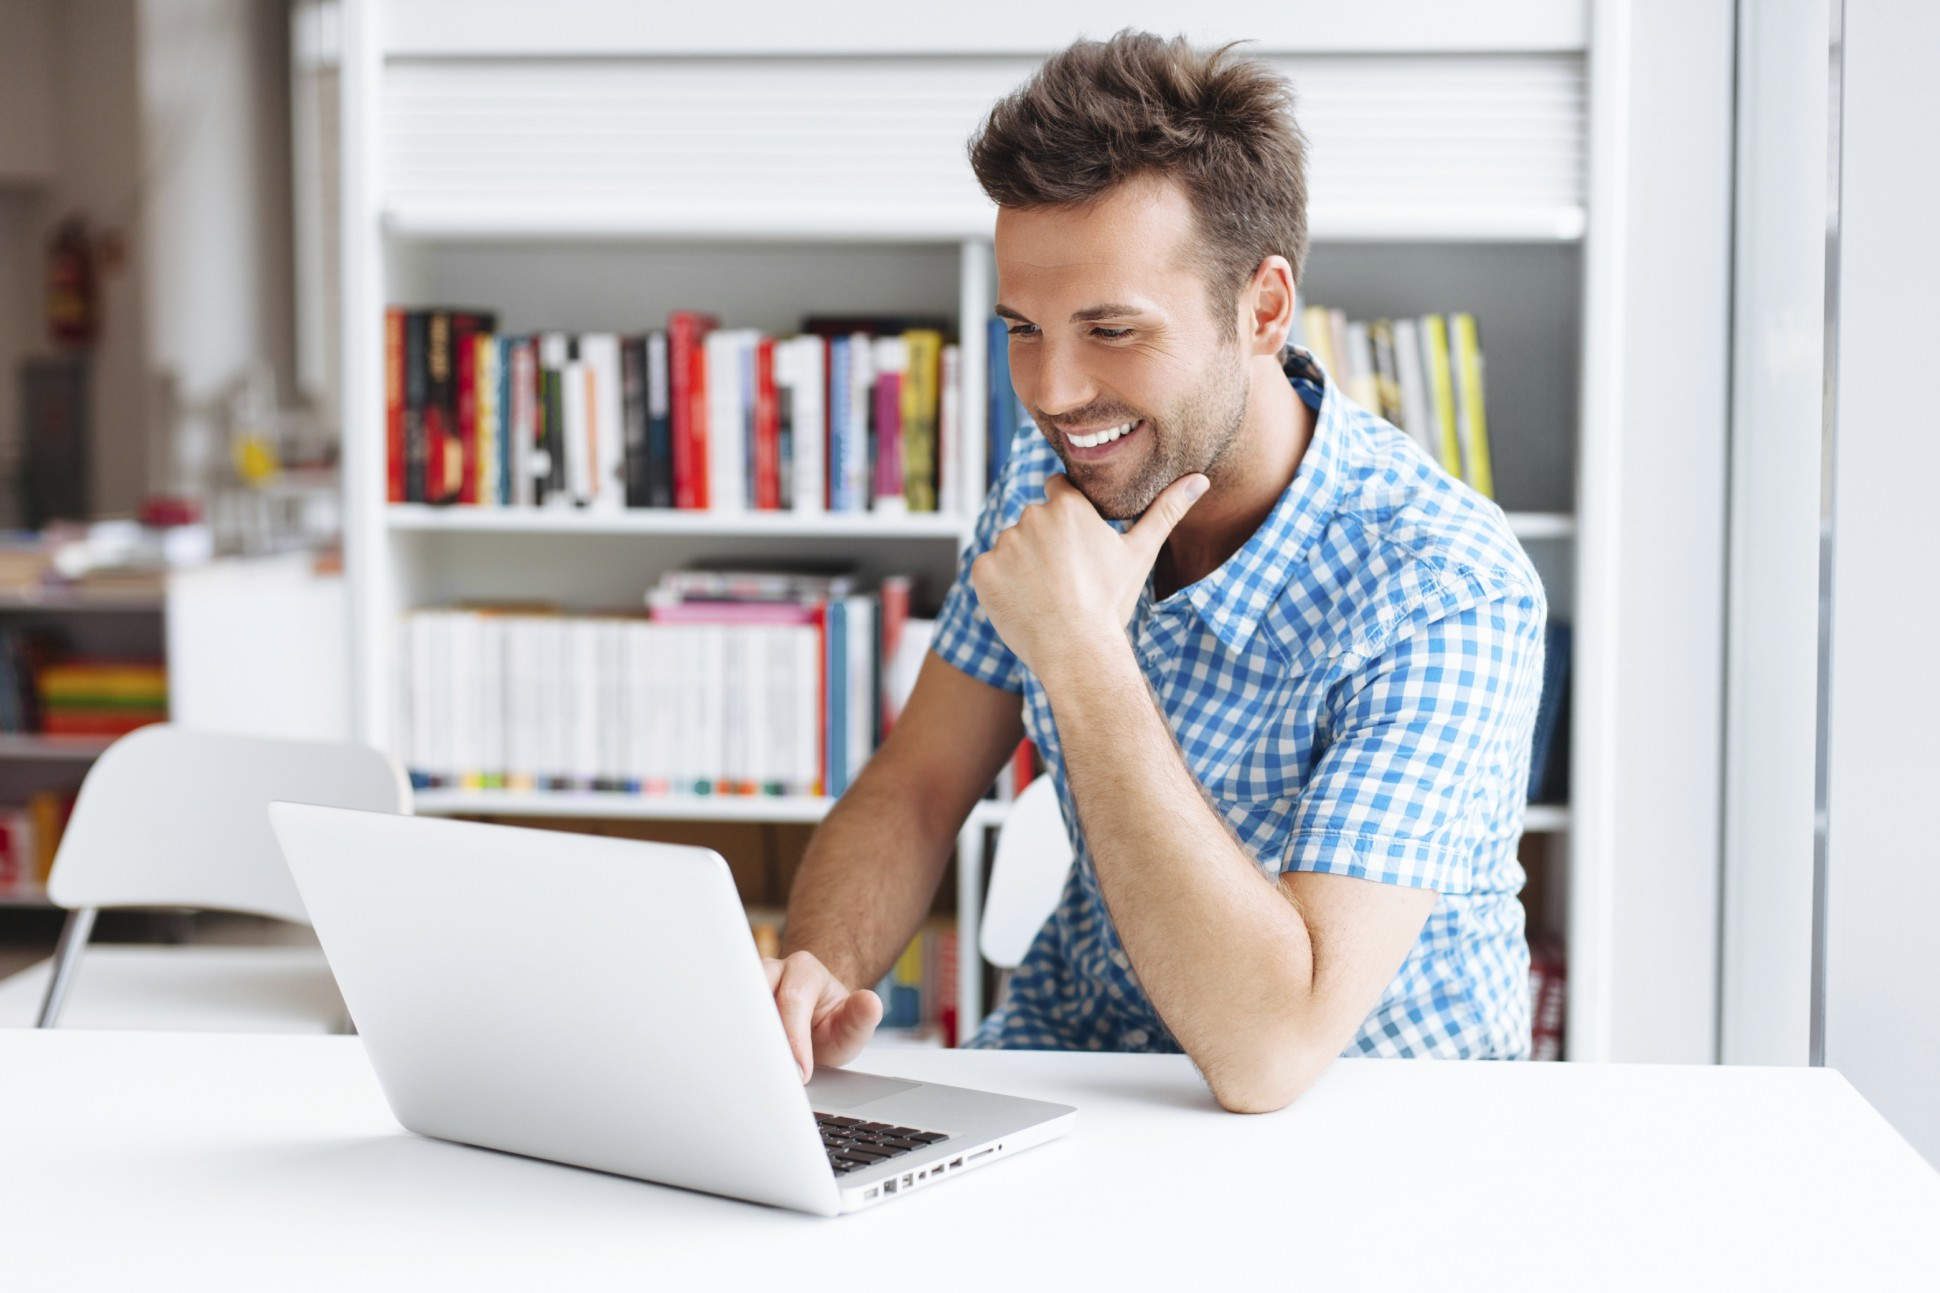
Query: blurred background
{"type": "Point", "coordinates": [365, 368]}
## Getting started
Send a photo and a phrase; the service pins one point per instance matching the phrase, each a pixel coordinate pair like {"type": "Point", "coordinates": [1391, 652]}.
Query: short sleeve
{"type": "Point", "coordinates": [965, 637]}
{"type": "Point", "coordinates": [1425, 764]}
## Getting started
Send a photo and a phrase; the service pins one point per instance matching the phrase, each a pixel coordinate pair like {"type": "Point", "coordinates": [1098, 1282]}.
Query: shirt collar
{"type": "Point", "coordinates": [1232, 598]}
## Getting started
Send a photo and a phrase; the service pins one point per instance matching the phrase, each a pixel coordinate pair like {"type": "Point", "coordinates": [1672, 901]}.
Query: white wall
{"type": "Point", "coordinates": [216, 129]}
{"type": "Point", "coordinates": [1882, 992]}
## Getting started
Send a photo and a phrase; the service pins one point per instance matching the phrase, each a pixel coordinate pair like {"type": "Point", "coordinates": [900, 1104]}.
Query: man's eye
{"type": "Point", "coordinates": [1023, 330]}
{"type": "Point", "coordinates": [1111, 334]}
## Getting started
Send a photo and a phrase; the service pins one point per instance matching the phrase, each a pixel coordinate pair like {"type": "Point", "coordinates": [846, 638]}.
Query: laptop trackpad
{"type": "Point", "coordinates": [832, 1089]}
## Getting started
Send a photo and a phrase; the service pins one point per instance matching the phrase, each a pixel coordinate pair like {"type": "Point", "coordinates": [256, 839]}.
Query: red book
{"type": "Point", "coordinates": [464, 328]}
{"type": "Point", "coordinates": [439, 408]}
{"type": "Point", "coordinates": [1023, 765]}
{"type": "Point", "coordinates": [394, 405]}
{"type": "Point", "coordinates": [889, 440]}
{"type": "Point", "coordinates": [895, 614]}
{"type": "Point", "coordinates": [767, 429]}
{"type": "Point", "coordinates": [687, 372]}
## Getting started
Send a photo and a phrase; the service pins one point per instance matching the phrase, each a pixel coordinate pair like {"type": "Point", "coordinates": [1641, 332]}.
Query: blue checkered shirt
{"type": "Point", "coordinates": [1355, 690]}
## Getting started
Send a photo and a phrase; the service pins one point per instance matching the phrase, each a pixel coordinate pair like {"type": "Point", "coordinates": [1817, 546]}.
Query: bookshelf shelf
{"type": "Point", "coordinates": [624, 807]}
{"type": "Point", "coordinates": [1542, 525]}
{"type": "Point", "coordinates": [79, 600]}
{"type": "Point", "coordinates": [431, 222]}
{"type": "Point", "coordinates": [34, 898]}
{"type": "Point", "coordinates": [28, 747]}
{"type": "Point", "coordinates": [1545, 819]}
{"type": "Point", "coordinates": [410, 517]}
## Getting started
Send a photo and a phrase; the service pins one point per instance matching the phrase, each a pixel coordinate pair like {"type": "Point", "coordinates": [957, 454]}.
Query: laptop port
{"type": "Point", "coordinates": [957, 1161]}
{"type": "Point", "coordinates": [889, 1187]}
{"type": "Point", "coordinates": [907, 1178]}
{"type": "Point", "coordinates": [871, 1192]}
{"type": "Point", "coordinates": [990, 1149]}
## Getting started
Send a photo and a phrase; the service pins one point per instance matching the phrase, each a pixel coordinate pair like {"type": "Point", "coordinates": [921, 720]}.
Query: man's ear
{"type": "Point", "coordinates": [1266, 320]}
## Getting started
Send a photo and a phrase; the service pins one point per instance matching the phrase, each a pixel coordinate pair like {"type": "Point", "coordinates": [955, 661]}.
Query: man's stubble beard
{"type": "Point", "coordinates": [1199, 435]}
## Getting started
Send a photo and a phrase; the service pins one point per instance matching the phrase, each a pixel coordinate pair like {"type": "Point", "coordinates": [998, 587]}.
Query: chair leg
{"type": "Point", "coordinates": [67, 957]}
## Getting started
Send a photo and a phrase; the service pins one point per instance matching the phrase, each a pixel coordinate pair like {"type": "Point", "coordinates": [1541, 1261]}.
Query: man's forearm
{"type": "Point", "coordinates": [1223, 955]}
{"type": "Point", "coordinates": [866, 882]}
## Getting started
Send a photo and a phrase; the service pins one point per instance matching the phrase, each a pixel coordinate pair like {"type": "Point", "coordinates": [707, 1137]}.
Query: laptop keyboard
{"type": "Point", "coordinates": [853, 1144]}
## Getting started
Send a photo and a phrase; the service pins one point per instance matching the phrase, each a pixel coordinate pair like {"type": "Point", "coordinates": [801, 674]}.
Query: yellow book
{"type": "Point", "coordinates": [1320, 337]}
{"type": "Point", "coordinates": [920, 405]}
{"type": "Point", "coordinates": [1441, 391]}
{"type": "Point", "coordinates": [1467, 359]}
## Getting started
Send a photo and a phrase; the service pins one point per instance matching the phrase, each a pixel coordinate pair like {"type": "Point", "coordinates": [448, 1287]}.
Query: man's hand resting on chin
{"type": "Point", "coordinates": [826, 1023]}
{"type": "Point", "coordinates": [1062, 582]}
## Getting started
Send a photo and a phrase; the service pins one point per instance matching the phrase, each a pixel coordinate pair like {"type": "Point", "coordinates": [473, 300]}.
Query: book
{"type": "Point", "coordinates": [605, 483]}
{"type": "Point", "coordinates": [923, 358]}
{"type": "Point", "coordinates": [659, 472]}
{"type": "Point", "coordinates": [417, 403]}
{"type": "Point", "coordinates": [1441, 393]}
{"type": "Point", "coordinates": [891, 356]}
{"type": "Point", "coordinates": [802, 394]}
{"type": "Point", "coordinates": [767, 429]}
{"type": "Point", "coordinates": [949, 434]}
{"type": "Point", "coordinates": [1415, 419]}
{"type": "Point", "coordinates": [394, 368]}
{"type": "Point", "coordinates": [633, 420]}
{"type": "Point", "coordinates": [1549, 739]}
{"type": "Point", "coordinates": [1000, 403]}
{"type": "Point", "coordinates": [1465, 361]}
{"type": "Point", "coordinates": [687, 331]}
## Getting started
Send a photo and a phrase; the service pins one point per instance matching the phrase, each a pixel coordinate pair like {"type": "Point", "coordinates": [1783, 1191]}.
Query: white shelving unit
{"type": "Point", "coordinates": [550, 171]}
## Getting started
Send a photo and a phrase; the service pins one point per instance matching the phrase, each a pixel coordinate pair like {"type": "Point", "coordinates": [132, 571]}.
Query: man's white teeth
{"type": "Point", "coordinates": [1106, 436]}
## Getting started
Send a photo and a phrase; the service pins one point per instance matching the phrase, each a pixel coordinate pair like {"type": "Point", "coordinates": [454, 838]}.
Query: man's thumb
{"type": "Point", "coordinates": [1167, 510]}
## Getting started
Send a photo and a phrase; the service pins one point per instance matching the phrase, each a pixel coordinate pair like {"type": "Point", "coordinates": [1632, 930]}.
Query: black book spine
{"type": "Point", "coordinates": [555, 482]}
{"type": "Point", "coordinates": [660, 423]}
{"type": "Point", "coordinates": [440, 411]}
{"type": "Point", "coordinates": [416, 389]}
{"type": "Point", "coordinates": [633, 414]}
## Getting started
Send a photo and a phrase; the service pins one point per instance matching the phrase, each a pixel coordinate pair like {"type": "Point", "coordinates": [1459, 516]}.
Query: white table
{"type": "Point", "coordinates": [145, 1160]}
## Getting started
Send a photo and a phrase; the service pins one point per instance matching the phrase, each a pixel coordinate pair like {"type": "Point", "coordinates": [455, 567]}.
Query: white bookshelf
{"type": "Point", "coordinates": [1471, 161]}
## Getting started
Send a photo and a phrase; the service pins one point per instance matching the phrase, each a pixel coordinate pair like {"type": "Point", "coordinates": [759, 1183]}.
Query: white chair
{"type": "Point", "coordinates": [170, 817]}
{"type": "Point", "coordinates": [1027, 875]}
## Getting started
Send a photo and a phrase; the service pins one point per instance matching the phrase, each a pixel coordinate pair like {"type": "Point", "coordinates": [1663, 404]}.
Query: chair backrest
{"type": "Point", "coordinates": [170, 817]}
{"type": "Point", "coordinates": [1026, 876]}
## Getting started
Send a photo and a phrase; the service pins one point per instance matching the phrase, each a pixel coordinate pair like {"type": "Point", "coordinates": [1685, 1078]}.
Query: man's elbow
{"type": "Point", "coordinates": [1268, 1082]}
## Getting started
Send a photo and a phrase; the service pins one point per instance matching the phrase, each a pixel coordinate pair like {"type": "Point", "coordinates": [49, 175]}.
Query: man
{"type": "Point", "coordinates": [1282, 669]}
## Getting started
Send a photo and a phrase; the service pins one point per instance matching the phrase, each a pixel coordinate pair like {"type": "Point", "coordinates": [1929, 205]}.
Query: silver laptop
{"type": "Point", "coordinates": [599, 1002]}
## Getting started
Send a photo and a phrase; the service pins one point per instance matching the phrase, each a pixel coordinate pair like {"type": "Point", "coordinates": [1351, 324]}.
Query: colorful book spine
{"type": "Point", "coordinates": [1465, 338]}
{"type": "Point", "coordinates": [1441, 392]}
{"type": "Point", "coordinates": [923, 353]}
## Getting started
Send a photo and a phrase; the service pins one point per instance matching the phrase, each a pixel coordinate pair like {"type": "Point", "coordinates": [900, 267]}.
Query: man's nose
{"type": "Point", "coordinates": [1063, 386]}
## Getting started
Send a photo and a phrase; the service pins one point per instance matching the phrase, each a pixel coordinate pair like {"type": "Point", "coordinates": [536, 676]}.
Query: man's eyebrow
{"type": "Point", "coordinates": [1090, 314]}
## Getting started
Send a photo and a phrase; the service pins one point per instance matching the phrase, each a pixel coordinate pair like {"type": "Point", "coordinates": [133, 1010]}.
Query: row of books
{"type": "Point", "coordinates": [29, 835]}
{"type": "Point", "coordinates": [730, 683]}
{"type": "Point", "coordinates": [855, 414]}
{"type": "Point", "coordinates": [1425, 375]}
{"type": "Point", "coordinates": [40, 692]}
{"type": "Point", "coordinates": [918, 994]}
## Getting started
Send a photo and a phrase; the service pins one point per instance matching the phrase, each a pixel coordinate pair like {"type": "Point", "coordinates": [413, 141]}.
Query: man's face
{"type": "Point", "coordinates": [1109, 325]}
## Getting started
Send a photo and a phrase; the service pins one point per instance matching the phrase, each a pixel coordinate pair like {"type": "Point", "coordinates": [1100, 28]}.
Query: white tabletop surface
{"type": "Point", "coordinates": [150, 1160]}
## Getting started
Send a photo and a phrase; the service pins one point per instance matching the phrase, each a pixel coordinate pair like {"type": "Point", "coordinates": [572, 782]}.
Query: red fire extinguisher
{"type": "Point", "coordinates": [72, 312]}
